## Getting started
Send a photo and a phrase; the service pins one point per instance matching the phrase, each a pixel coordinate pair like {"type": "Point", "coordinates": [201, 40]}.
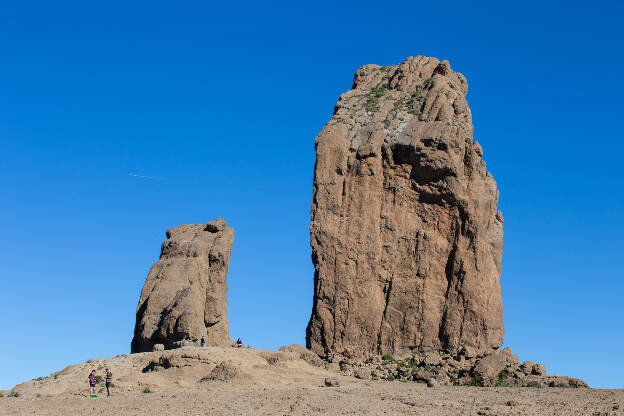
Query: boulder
{"type": "Point", "coordinates": [421, 374]}
{"type": "Point", "coordinates": [432, 358]}
{"type": "Point", "coordinates": [576, 382]}
{"type": "Point", "coordinates": [527, 367]}
{"type": "Point", "coordinates": [489, 367]}
{"type": "Point", "coordinates": [332, 382]}
{"type": "Point", "coordinates": [557, 381]}
{"type": "Point", "coordinates": [158, 347]}
{"type": "Point", "coordinates": [224, 371]}
{"type": "Point", "coordinates": [539, 370]}
{"type": "Point", "coordinates": [362, 373]}
{"type": "Point", "coordinates": [185, 293]}
{"type": "Point", "coordinates": [405, 233]}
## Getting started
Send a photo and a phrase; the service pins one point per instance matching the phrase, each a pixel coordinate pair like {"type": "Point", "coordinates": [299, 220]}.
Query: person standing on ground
{"type": "Point", "coordinates": [203, 342]}
{"type": "Point", "coordinates": [92, 383]}
{"type": "Point", "coordinates": [109, 381]}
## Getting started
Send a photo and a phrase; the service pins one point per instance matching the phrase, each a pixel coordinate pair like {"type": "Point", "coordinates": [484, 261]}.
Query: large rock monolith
{"type": "Point", "coordinates": [406, 237]}
{"type": "Point", "coordinates": [185, 294]}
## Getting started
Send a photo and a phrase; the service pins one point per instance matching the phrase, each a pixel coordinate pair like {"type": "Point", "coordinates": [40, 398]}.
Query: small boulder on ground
{"type": "Point", "coordinates": [362, 373]}
{"type": "Point", "coordinates": [225, 371]}
{"type": "Point", "coordinates": [332, 382]}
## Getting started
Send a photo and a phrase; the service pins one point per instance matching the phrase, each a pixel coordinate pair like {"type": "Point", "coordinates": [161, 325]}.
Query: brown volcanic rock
{"type": "Point", "coordinates": [185, 294]}
{"type": "Point", "coordinates": [405, 234]}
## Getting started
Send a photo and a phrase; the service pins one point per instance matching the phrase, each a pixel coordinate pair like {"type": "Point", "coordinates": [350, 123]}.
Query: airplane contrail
{"type": "Point", "coordinates": [160, 178]}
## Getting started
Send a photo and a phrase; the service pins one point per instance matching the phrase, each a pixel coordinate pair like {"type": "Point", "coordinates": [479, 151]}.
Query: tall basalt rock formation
{"type": "Point", "coordinates": [406, 237]}
{"type": "Point", "coordinates": [185, 294]}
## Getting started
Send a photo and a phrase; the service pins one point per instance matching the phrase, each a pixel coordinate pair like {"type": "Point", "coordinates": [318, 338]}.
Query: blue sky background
{"type": "Point", "coordinates": [224, 102]}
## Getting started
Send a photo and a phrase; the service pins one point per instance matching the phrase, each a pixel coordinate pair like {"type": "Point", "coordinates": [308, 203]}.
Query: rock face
{"type": "Point", "coordinates": [405, 233]}
{"type": "Point", "coordinates": [185, 294]}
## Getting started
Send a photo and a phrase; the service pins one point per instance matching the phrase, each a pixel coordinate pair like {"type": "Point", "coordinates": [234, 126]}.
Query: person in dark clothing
{"type": "Point", "coordinates": [109, 381]}
{"type": "Point", "coordinates": [203, 342]}
{"type": "Point", "coordinates": [92, 382]}
{"type": "Point", "coordinates": [239, 343]}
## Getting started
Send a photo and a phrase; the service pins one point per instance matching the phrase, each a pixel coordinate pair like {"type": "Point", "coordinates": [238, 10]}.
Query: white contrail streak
{"type": "Point", "coordinates": [159, 178]}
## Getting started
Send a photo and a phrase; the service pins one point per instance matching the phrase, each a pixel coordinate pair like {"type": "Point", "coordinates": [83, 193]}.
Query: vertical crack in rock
{"type": "Point", "coordinates": [406, 240]}
{"type": "Point", "coordinates": [185, 294]}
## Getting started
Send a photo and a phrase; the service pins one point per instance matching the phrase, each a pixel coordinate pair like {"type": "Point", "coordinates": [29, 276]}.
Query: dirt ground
{"type": "Point", "coordinates": [193, 381]}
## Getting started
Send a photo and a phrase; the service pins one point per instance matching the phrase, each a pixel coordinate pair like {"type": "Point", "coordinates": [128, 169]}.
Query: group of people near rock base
{"type": "Point", "coordinates": [238, 344]}
{"type": "Point", "coordinates": [109, 375]}
{"type": "Point", "coordinates": [93, 382]}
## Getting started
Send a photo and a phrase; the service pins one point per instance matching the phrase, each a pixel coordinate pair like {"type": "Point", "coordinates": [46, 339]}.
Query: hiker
{"type": "Point", "coordinates": [203, 342]}
{"type": "Point", "coordinates": [239, 343]}
{"type": "Point", "coordinates": [92, 383]}
{"type": "Point", "coordinates": [109, 381]}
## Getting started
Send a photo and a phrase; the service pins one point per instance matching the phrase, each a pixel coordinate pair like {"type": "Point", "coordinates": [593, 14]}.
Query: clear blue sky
{"type": "Point", "coordinates": [221, 105]}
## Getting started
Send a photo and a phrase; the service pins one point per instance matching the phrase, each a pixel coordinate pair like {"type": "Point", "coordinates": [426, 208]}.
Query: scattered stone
{"type": "Point", "coordinates": [498, 368]}
{"type": "Point", "coordinates": [432, 383]}
{"type": "Point", "coordinates": [185, 295]}
{"type": "Point", "coordinates": [158, 347]}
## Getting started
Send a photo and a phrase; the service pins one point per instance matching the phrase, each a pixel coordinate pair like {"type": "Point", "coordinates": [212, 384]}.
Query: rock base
{"type": "Point", "coordinates": [498, 368]}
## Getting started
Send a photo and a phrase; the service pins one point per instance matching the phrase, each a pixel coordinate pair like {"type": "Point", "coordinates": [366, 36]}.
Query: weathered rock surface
{"type": "Point", "coordinates": [305, 354]}
{"type": "Point", "coordinates": [497, 368]}
{"type": "Point", "coordinates": [225, 371]}
{"type": "Point", "coordinates": [185, 294]}
{"type": "Point", "coordinates": [405, 233]}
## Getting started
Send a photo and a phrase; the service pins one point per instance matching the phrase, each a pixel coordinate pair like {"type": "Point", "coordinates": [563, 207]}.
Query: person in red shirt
{"type": "Point", "coordinates": [92, 382]}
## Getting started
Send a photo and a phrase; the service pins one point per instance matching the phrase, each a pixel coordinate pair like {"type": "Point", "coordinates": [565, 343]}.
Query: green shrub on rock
{"type": "Point", "coordinates": [476, 381]}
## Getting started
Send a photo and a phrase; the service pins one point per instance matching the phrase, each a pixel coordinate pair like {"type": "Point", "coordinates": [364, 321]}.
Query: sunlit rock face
{"type": "Point", "coordinates": [406, 238]}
